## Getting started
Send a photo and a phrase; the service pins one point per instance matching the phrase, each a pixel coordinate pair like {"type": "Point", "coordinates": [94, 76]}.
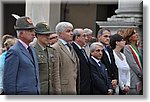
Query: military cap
{"type": "Point", "coordinates": [42, 28]}
{"type": "Point", "coordinates": [24, 23]}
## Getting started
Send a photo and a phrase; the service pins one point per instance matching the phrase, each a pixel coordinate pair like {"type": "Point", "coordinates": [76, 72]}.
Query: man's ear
{"type": "Point", "coordinates": [21, 33]}
{"type": "Point", "coordinates": [98, 37]}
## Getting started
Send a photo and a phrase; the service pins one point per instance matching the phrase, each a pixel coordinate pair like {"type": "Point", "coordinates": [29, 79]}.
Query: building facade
{"type": "Point", "coordinates": [86, 13]}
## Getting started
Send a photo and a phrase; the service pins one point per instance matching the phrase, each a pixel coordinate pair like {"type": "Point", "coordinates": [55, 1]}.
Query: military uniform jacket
{"type": "Point", "coordinates": [48, 70]}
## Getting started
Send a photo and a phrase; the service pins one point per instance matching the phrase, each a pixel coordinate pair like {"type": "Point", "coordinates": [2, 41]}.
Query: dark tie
{"type": "Point", "coordinates": [84, 53]}
{"type": "Point", "coordinates": [69, 46]}
{"type": "Point", "coordinates": [102, 67]}
{"type": "Point", "coordinates": [30, 51]}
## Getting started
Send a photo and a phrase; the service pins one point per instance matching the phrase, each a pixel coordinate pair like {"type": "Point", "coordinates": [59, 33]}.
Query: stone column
{"type": "Point", "coordinates": [54, 16]}
{"type": "Point", "coordinates": [129, 14]}
{"type": "Point", "coordinates": [129, 6]}
{"type": "Point", "coordinates": [46, 11]}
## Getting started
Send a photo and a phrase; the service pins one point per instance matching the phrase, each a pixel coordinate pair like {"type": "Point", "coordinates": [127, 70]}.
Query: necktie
{"type": "Point", "coordinates": [84, 53]}
{"type": "Point", "coordinates": [30, 51]}
{"type": "Point", "coordinates": [102, 67]}
{"type": "Point", "coordinates": [69, 46]}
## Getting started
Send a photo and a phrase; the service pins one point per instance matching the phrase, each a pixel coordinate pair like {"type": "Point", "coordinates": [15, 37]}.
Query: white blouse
{"type": "Point", "coordinates": [123, 71]}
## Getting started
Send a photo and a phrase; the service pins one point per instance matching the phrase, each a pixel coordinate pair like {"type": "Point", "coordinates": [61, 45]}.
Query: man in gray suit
{"type": "Point", "coordinates": [68, 60]}
{"type": "Point", "coordinates": [21, 74]}
{"type": "Point", "coordinates": [47, 60]}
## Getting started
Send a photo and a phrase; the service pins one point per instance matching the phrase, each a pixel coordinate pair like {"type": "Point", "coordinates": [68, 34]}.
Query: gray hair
{"type": "Point", "coordinates": [95, 45]}
{"type": "Point", "coordinates": [18, 33]}
{"type": "Point", "coordinates": [88, 31]}
{"type": "Point", "coordinates": [61, 26]}
{"type": "Point", "coordinates": [77, 31]}
{"type": "Point", "coordinates": [100, 32]}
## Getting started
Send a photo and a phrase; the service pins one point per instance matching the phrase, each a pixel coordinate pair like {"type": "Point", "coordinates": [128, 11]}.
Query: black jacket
{"type": "Point", "coordinates": [84, 73]}
{"type": "Point", "coordinates": [112, 68]}
{"type": "Point", "coordinates": [101, 83]}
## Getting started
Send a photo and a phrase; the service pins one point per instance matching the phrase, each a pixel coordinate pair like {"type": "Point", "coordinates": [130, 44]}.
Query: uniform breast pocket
{"type": "Point", "coordinates": [42, 66]}
{"type": "Point", "coordinates": [52, 58]}
{"type": "Point", "coordinates": [41, 59]}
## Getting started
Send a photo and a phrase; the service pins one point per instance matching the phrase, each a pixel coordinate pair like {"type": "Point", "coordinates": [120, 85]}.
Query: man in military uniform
{"type": "Point", "coordinates": [47, 60]}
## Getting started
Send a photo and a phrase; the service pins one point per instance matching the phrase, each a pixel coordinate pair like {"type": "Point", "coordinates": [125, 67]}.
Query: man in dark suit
{"type": "Point", "coordinates": [108, 57]}
{"type": "Point", "coordinates": [101, 82]}
{"type": "Point", "coordinates": [21, 74]}
{"type": "Point", "coordinates": [84, 72]}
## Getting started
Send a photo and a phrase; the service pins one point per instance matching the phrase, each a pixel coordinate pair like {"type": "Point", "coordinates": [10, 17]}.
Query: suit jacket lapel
{"type": "Point", "coordinates": [97, 67]}
{"type": "Point", "coordinates": [79, 52]}
{"type": "Point", "coordinates": [65, 50]}
{"type": "Point", "coordinates": [25, 52]}
{"type": "Point", "coordinates": [105, 57]}
{"type": "Point", "coordinates": [34, 55]}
